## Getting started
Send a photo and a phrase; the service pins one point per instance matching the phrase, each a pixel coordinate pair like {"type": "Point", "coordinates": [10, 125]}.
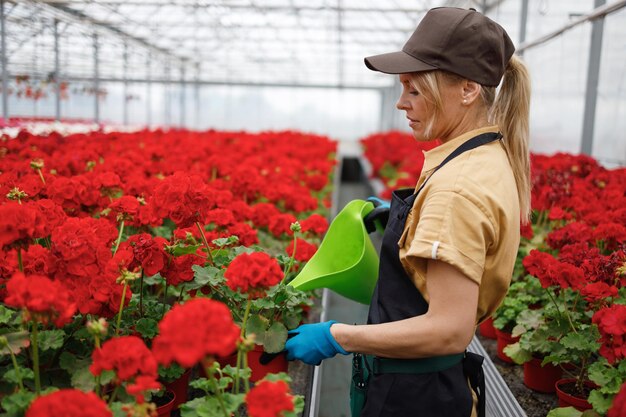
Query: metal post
{"type": "Point", "coordinates": [96, 79]}
{"type": "Point", "coordinates": [5, 66]}
{"type": "Point", "coordinates": [125, 89]}
{"type": "Point", "coordinates": [593, 75]}
{"type": "Point", "coordinates": [196, 91]}
{"type": "Point", "coordinates": [340, 43]}
{"type": "Point", "coordinates": [166, 98]}
{"type": "Point", "coordinates": [182, 95]}
{"type": "Point", "coordinates": [57, 74]}
{"type": "Point", "coordinates": [523, 24]}
{"type": "Point", "coordinates": [149, 91]}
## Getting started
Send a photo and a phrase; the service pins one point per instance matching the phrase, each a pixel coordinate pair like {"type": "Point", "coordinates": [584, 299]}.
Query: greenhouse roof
{"type": "Point", "coordinates": [267, 42]}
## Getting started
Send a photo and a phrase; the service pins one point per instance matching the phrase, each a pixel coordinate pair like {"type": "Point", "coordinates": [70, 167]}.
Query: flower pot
{"type": "Point", "coordinates": [487, 330]}
{"type": "Point", "coordinates": [504, 339]}
{"type": "Point", "coordinates": [567, 399]}
{"type": "Point", "coordinates": [179, 387]}
{"type": "Point", "coordinates": [541, 378]}
{"type": "Point", "coordinates": [164, 404]}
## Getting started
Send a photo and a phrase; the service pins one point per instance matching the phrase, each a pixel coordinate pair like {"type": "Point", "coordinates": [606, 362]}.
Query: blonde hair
{"type": "Point", "coordinates": [509, 109]}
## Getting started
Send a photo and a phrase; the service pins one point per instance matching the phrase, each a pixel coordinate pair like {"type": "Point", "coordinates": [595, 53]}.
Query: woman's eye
{"type": "Point", "coordinates": [414, 93]}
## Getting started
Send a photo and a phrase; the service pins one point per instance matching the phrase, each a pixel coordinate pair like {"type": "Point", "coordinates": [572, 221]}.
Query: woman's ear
{"type": "Point", "coordinates": [470, 91]}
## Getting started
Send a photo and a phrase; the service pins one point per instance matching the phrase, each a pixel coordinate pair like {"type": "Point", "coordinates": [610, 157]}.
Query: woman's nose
{"type": "Point", "coordinates": [401, 104]}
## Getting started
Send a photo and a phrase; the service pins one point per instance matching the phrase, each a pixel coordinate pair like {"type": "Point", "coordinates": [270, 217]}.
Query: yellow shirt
{"type": "Point", "coordinates": [468, 216]}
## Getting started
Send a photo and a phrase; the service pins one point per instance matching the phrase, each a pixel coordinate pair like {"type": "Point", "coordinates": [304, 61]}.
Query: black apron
{"type": "Point", "coordinates": [442, 393]}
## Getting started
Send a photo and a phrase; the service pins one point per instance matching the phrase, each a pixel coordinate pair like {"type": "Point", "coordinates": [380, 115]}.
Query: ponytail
{"type": "Point", "coordinates": [510, 112]}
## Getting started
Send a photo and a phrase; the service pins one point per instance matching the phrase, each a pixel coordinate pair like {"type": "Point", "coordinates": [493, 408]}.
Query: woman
{"type": "Point", "coordinates": [450, 245]}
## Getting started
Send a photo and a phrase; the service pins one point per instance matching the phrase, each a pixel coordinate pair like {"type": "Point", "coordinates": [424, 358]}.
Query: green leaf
{"type": "Point", "coordinates": [257, 325]}
{"type": "Point", "coordinates": [601, 403]}
{"type": "Point", "coordinates": [280, 376]}
{"type": "Point", "coordinates": [275, 338]}
{"type": "Point", "coordinates": [17, 404]}
{"type": "Point", "coordinates": [171, 372]}
{"type": "Point", "coordinates": [263, 303]}
{"type": "Point", "coordinates": [225, 241]}
{"type": "Point", "coordinates": [51, 339]}
{"type": "Point", "coordinates": [25, 373]}
{"type": "Point", "coordinates": [106, 377]}
{"type": "Point", "coordinates": [244, 373]}
{"type": "Point", "coordinates": [600, 372]}
{"type": "Point", "coordinates": [298, 405]}
{"type": "Point", "coordinates": [82, 379]}
{"type": "Point", "coordinates": [6, 314]}
{"type": "Point", "coordinates": [564, 412]}
{"type": "Point", "coordinates": [154, 279]}
{"type": "Point", "coordinates": [211, 407]}
{"type": "Point", "coordinates": [147, 327]}
{"type": "Point", "coordinates": [517, 354]}
{"type": "Point", "coordinates": [292, 320]}
{"type": "Point", "coordinates": [181, 249]}
{"type": "Point", "coordinates": [117, 409]}
{"type": "Point", "coordinates": [67, 361]}
{"type": "Point", "coordinates": [16, 342]}
{"type": "Point", "coordinates": [580, 341]}
{"type": "Point", "coordinates": [208, 275]}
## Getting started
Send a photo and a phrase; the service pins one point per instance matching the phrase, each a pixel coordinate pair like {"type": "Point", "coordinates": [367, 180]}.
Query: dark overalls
{"type": "Point", "coordinates": [397, 391]}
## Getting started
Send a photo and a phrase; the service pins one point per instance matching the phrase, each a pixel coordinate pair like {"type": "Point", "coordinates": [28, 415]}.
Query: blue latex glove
{"type": "Point", "coordinates": [312, 343]}
{"type": "Point", "coordinates": [379, 202]}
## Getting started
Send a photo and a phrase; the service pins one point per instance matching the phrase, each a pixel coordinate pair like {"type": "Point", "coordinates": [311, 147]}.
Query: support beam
{"type": "Point", "coordinates": [167, 110]}
{"type": "Point", "coordinates": [57, 73]}
{"type": "Point", "coordinates": [183, 87]}
{"type": "Point", "coordinates": [196, 90]}
{"type": "Point", "coordinates": [523, 24]}
{"type": "Point", "coordinates": [5, 66]}
{"type": "Point", "coordinates": [593, 75]}
{"type": "Point", "coordinates": [148, 90]}
{"type": "Point", "coordinates": [125, 87]}
{"type": "Point", "coordinates": [96, 79]}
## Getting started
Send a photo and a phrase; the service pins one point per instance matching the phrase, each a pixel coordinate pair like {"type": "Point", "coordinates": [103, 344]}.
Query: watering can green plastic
{"type": "Point", "coordinates": [346, 261]}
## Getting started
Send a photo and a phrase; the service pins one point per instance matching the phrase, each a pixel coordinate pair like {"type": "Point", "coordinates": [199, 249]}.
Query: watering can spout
{"type": "Point", "coordinates": [346, 261]}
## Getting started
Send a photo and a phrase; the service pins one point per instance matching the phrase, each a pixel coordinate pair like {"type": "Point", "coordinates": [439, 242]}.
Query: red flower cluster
{"type": "Point", "coordinates": [315, 224]}
{"type": "Point", "coordinates": [148, 252]}
{"type": "Point", "coordinates": [69, 403]}
{"type": "Point", "coordinates": [269, 399]}
{"type": "Point", "coordinates": [189, 332]}
{"type": "Point", "coordinates": [27, 221]}
{"type": "Point", "coordinates": [253, 272]}
{"type": "Point", "coordinates": [183, 198]}
{"type": "Point", "coordinates": [45, 300]}
{"type": "Point", "coordinates": [127, 356]}
{"type": "Point", "coordinates": [280, 224]}
{"type": "Point", "coordinates": [304, 250]}
{"type": "Point", "coordinates": [611, 322]}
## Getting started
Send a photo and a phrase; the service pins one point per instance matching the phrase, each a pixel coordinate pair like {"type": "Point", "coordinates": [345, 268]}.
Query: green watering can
{"type": "Point", "coordinates": [346, 261]}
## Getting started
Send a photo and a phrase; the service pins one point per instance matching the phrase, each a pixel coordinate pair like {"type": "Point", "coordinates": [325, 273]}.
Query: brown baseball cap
{"type": "Point", "coordinates": [464, 42]}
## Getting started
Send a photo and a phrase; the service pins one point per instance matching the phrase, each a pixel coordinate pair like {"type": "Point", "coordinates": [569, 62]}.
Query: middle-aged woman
{"type": "Point", "coordinates": [450, 245]}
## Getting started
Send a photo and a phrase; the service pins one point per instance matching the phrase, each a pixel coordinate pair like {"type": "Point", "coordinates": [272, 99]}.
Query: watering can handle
{"type": "Point", "coordinates": [377, 218]}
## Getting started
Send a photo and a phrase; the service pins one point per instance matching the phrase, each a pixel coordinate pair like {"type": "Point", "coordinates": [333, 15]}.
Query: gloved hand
{"type": "Point", "coordinates": [377, 218]}
{"type": "Point", "coordinates": [312, 343]}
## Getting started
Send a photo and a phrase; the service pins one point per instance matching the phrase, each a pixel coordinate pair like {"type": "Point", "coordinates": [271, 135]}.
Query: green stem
{"type": "Point", "coordinates": [164, 300]}
{"type": "Point", "coordinates": [41, 176]}
{"type": "Point", "coordinates": [247, 380]}
{"type": "Point", "coordinates": [293, 255]}
{"type": "Point", "coordinates": [20, 265]}
{"type": "Point", "coordinates": [119, 237]}
{"type": "Point", "coordinates": [97, 345]}
{"type": "Point", "coordinates": [34, 341]}
{"type": "Point", "coordinates": [554, 302]}
{"type": "Point", "coordinates": [206, 243]}
{"type": "Point", "coordinates": [180, 295]}
{"type": "Point", "coordinates": [218, 393]}
{"type": "Point", "coordinates": [141, 295]}
{"type": "Point", "coordinates": [18, 374]}
{"type": "Point", "coordinates": [240, 353]}
{"type": "Point", "coordinates": [113, 395]}
{"type": "Point", "coordinates": [119, 314]}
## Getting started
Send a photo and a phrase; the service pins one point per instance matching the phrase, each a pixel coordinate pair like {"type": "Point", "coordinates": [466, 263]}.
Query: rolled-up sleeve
{"type": "Point", "coordinates": [453, 229]}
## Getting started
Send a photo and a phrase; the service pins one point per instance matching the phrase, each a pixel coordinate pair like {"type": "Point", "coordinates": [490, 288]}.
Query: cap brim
{"type": "Point", "coordinates": [397, 63]}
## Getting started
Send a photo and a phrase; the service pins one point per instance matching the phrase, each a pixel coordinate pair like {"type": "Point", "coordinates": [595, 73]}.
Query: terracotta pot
{"type": "Point", "coordinates": [504, 339]}
{"type": "Point", "coordinates": [165, 404]}
{"type": "Point", "coordinates": [541, 378]}
{"type": "Point", "coordinates": [278, 364]}
{"type": "Point", "coordinates": [566, 399]}
{"type": "Point", "coordinates": [179, 387]}
{"type": "Point", "coordinates": [487, 330]}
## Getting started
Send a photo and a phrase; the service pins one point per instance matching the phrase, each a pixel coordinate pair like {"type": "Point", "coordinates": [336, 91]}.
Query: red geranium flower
{"type": "Point", "coordinates": [254, 271]}
{"type": "Point", "coordinates": [304, 250]}
{"type": "Point", "coordinates": [189, 332]}
{"type": "Point", "coordinates": [611, 322]}
{"type": "Point", "coordinates": [315, 223]}
{"type": "Point", "coordinates": [44, 299]}
{"type": "Point", "coordinates": [280, 224]}
{"type": "Point", "coordinates": [127, 356]}
{"type": "Point", "coordinates": [269, 399]}
{"type": "Point", "coordinates": [69, 403]}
